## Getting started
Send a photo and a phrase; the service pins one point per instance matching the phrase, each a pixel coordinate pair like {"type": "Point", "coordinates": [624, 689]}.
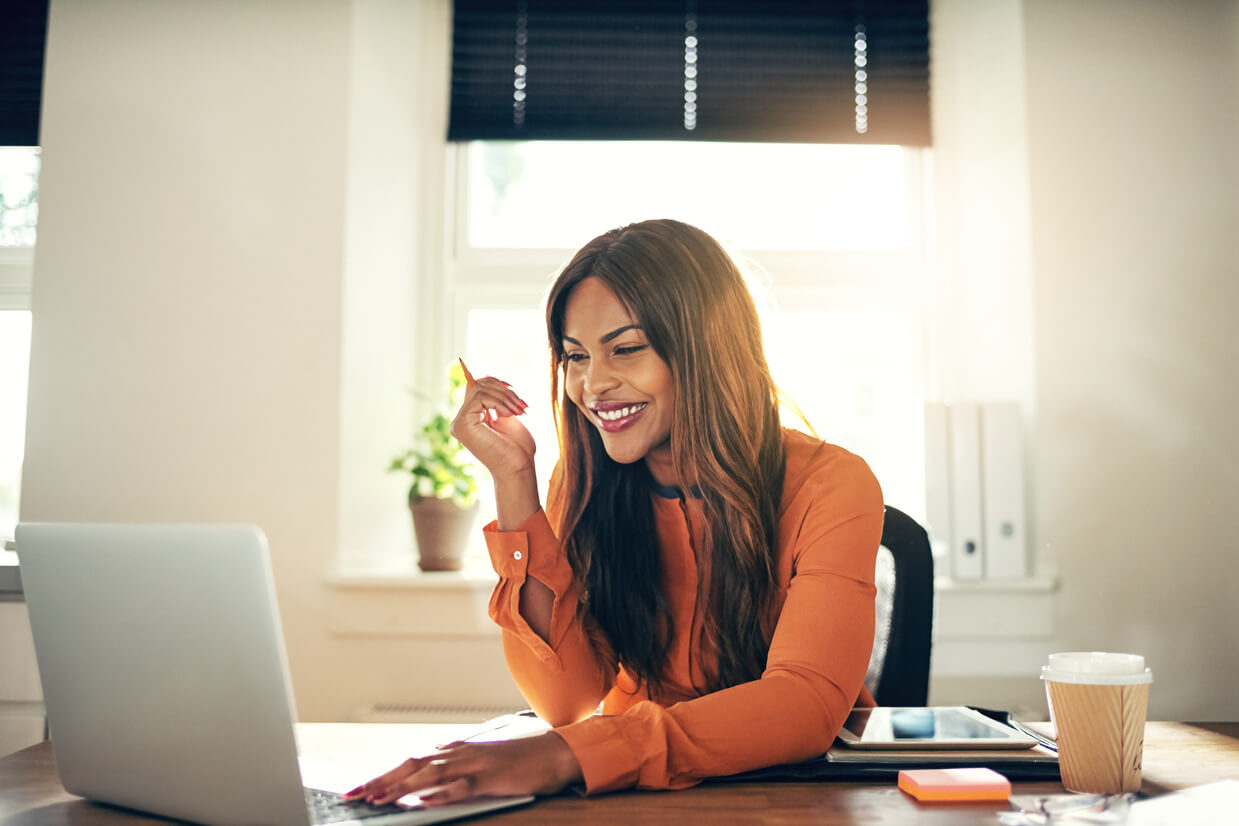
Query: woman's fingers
{"type": "Point", "coordinates": [487, 399]}
{"type": "Point", "coordinates": [454, 791]}
{"type": "Point", "coordinates": [432, 774]}
{"type": "Point", "coordinates": [542, 764]}
{"type": "Point", "coordinates": [470, 380]}
{"type": "Point", "coordinates": [492, 394]}
{"type": "Point", "coordinates": [383, 782]}
{"type": "Point", "coordinates": [501, 400]}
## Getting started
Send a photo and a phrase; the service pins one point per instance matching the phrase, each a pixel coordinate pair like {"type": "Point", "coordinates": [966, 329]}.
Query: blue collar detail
{"type": "Point", "coordinates": [669, 492]}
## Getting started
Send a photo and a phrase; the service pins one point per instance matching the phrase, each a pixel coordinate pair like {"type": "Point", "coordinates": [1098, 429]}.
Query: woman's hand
{"type": "Point", "coordinates": [541, 764]}
{"type": "Point", "coordinates": [486, 425]}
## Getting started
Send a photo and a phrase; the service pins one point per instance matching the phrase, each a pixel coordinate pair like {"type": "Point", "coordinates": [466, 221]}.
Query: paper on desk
{"type": "Point", "coordinates": [1075, 809]}
{"type": "Point", "coordinates": [1205, 805]}
{"type": "Point", "coordinates": [340, 775]}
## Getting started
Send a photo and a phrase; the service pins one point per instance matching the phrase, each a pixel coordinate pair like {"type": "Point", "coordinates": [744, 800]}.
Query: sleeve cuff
{"type": "Point", "coordinates": [607, 760]}
{"type": "Point", "coordinates": [509, 550]}
{"type": "Point", "coordinates": [530, 549]}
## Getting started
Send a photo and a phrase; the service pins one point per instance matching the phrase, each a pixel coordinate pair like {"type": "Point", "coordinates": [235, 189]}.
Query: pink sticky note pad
{"type": "Point", "coordinates": [954, 784]}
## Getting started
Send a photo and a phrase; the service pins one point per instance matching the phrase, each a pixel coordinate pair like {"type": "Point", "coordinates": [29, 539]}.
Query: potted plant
{"type": "Point", "coordinates": [443, 492]}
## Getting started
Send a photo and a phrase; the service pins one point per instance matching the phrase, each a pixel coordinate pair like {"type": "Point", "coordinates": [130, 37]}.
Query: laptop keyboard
{"type": "Point", "coordinates": [329, 807]}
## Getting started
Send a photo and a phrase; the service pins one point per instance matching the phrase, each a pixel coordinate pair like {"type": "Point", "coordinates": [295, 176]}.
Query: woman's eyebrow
{"type": "Point", "coordinates": [609, 336]}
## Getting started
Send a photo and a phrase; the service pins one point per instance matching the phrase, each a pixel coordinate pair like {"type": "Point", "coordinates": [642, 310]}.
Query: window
{"type": "Point", "coordinates": [759, 196]}
{"type": "Point", "coordinates": [833, 234]}
{"type": "Point", "coordinates": [19, 171]}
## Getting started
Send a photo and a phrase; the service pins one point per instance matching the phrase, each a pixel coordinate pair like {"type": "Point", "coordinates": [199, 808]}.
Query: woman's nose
{"type": "Point", "coordinates": [599, 377]}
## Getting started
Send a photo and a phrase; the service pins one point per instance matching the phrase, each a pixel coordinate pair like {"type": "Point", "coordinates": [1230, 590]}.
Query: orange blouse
{"type": "Point", "coordinates": [830, 524]}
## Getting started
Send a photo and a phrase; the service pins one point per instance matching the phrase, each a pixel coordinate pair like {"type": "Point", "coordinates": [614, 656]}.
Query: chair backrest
{"type": "Point", "coordinates": [899, 666]}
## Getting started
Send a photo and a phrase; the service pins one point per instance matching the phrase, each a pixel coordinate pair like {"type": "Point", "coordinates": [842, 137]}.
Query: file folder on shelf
{"type": "Point", "coordinates": [937, 478]}
{"type": "Point", "coordinates": [1002, 477]}
{"type": "Point", "coordinates": [967, 537]}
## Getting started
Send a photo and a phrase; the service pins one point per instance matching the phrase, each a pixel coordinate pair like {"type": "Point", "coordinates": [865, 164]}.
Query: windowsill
{"type": "Point", "coordinates": [1027, 585]}
{"type": "Point", "coordinates": [397, 599]}
{"type": "Point", "coordinates": [10, 574]}
{"type": "Point", "coordinates": [476, 575]}
{"type": "Point", "coordinates": [1013, 609]}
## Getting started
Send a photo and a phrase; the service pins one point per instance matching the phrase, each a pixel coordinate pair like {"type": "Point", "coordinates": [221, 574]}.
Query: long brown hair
{"type": "Point", "coordinates": [690, 298]}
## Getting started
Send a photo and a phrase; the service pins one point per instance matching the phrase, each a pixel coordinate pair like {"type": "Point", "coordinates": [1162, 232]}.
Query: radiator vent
{"type": "Point", "coordinates": [422, 713]}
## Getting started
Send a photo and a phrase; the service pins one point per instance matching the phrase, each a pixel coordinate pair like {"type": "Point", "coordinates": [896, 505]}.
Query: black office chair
{"type": "Point", "coordinates": [899, 666]}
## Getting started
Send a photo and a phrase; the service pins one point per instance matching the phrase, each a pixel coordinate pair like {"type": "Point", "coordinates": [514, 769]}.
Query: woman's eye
{"type": "Point", "coordinates": [630, 349]}
{"type": "Point", "coordinates": [574, 357]}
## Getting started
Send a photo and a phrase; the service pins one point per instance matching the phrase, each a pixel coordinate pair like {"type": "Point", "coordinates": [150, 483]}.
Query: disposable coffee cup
{"type": "Point", "coordinates": [1098, 704]}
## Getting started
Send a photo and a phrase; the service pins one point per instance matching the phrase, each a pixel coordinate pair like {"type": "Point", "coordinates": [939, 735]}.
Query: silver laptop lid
{"type": "Point", "coordinates": [163, 668]}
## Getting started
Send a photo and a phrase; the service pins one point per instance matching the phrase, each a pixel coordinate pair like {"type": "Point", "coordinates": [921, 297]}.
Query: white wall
{"type": "Point", "coordinates": [185, 360]}
{"type": "Point", "coordinates": [224, 299]}
{"type": "Point", "coordinates": [1134, 151]}
{"type": "Point", "coordinates": [982, 315]}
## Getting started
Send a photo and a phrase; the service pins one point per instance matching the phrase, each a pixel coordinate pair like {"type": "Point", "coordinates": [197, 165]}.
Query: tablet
{"type": "Point", "coordinates": [932, 727]}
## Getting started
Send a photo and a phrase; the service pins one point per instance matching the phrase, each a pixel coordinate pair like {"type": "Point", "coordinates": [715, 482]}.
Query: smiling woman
{"type": "Point", "coordinates": [700, 573]}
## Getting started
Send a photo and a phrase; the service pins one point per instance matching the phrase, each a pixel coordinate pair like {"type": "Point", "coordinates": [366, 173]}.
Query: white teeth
{"type": "Point", "coordinates": [616, 415]}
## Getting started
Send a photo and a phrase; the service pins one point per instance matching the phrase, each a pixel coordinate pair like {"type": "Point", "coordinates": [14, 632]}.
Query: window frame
{"type": "Point", "coordinates": [16, 280]}
{"type": "Point", "coordinates": [16, 277]}
{"type": "Point", "coordinates": [889, 280]}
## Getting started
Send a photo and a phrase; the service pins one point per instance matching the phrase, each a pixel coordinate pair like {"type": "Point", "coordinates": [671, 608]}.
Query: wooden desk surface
{"type": "Point", "coordinates": [1177, 755]}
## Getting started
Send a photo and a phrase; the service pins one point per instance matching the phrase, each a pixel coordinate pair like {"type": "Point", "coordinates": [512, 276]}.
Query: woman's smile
{"type": "Point", "coordinates": [616, 416]}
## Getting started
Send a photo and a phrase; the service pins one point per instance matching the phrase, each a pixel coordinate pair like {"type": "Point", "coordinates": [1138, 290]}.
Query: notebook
{"type": "Point", "coordinates": [165, 677]}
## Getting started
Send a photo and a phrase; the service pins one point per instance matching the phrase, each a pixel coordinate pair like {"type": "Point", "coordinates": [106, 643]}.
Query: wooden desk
{"type": "Point", "coordinates": [1176, 755]}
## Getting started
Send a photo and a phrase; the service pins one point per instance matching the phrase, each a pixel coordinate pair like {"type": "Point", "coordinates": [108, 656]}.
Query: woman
{"type": "Point", "coordinates": [703, 573]}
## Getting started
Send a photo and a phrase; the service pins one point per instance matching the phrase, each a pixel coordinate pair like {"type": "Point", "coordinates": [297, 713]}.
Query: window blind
{"type": "Point", "coordinates": [817, 71]}
{"type": "Point", "coordinates": [23, 32]}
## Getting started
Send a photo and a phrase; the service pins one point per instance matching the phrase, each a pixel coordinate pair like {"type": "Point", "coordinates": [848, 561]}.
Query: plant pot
{"type": "Point", "coordinates": [442, 529]}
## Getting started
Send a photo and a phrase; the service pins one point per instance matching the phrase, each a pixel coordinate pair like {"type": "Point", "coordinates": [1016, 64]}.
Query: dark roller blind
{"type": "Point", "coordinates": [23, 33]}
{"type": "Point", "coordinates": [817, 71]}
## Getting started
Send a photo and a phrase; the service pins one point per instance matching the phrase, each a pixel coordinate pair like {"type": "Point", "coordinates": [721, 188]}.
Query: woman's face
{"type": "Point", "coordinates": [617, 380]}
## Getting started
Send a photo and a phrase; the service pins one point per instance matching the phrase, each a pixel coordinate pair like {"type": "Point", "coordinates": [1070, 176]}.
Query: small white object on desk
{"type": "Point", "coordinates": [1205, 805]}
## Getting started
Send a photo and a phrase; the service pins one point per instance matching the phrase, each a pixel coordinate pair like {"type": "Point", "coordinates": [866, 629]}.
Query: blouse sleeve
{"type": "Point", "coordinates": [564, 678]}
{"type": "Point", "coordinates": [814, 673]}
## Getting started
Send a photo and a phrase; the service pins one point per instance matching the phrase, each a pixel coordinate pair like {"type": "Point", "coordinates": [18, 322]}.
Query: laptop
{"type": "Point", "coordinates": [165, 678]}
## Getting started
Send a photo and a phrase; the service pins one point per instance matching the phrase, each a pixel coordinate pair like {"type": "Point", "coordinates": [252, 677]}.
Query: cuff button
{"type": "Point", "coordinates": [517, 555]}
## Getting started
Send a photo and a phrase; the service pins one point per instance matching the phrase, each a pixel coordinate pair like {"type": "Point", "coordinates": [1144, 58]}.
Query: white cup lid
{"type": "Point", "coordinates": [1096, 668]}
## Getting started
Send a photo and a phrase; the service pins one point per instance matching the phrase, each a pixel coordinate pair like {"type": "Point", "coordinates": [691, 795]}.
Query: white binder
{"type": "Point", "coordinates": [937, 477]}
{"type": "Point", "coordinates": [967, 534]}
{"type": "Point", "coordinates": [1002, 475]}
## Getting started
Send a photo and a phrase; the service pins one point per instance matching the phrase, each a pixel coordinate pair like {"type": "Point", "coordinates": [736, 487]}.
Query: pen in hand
{"type": "Point", "coordinates": [469, 380]}
{"type": "Point", "coordinates": [488, 415]}
{"type": "Point", "coordinates": [491, 414]}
